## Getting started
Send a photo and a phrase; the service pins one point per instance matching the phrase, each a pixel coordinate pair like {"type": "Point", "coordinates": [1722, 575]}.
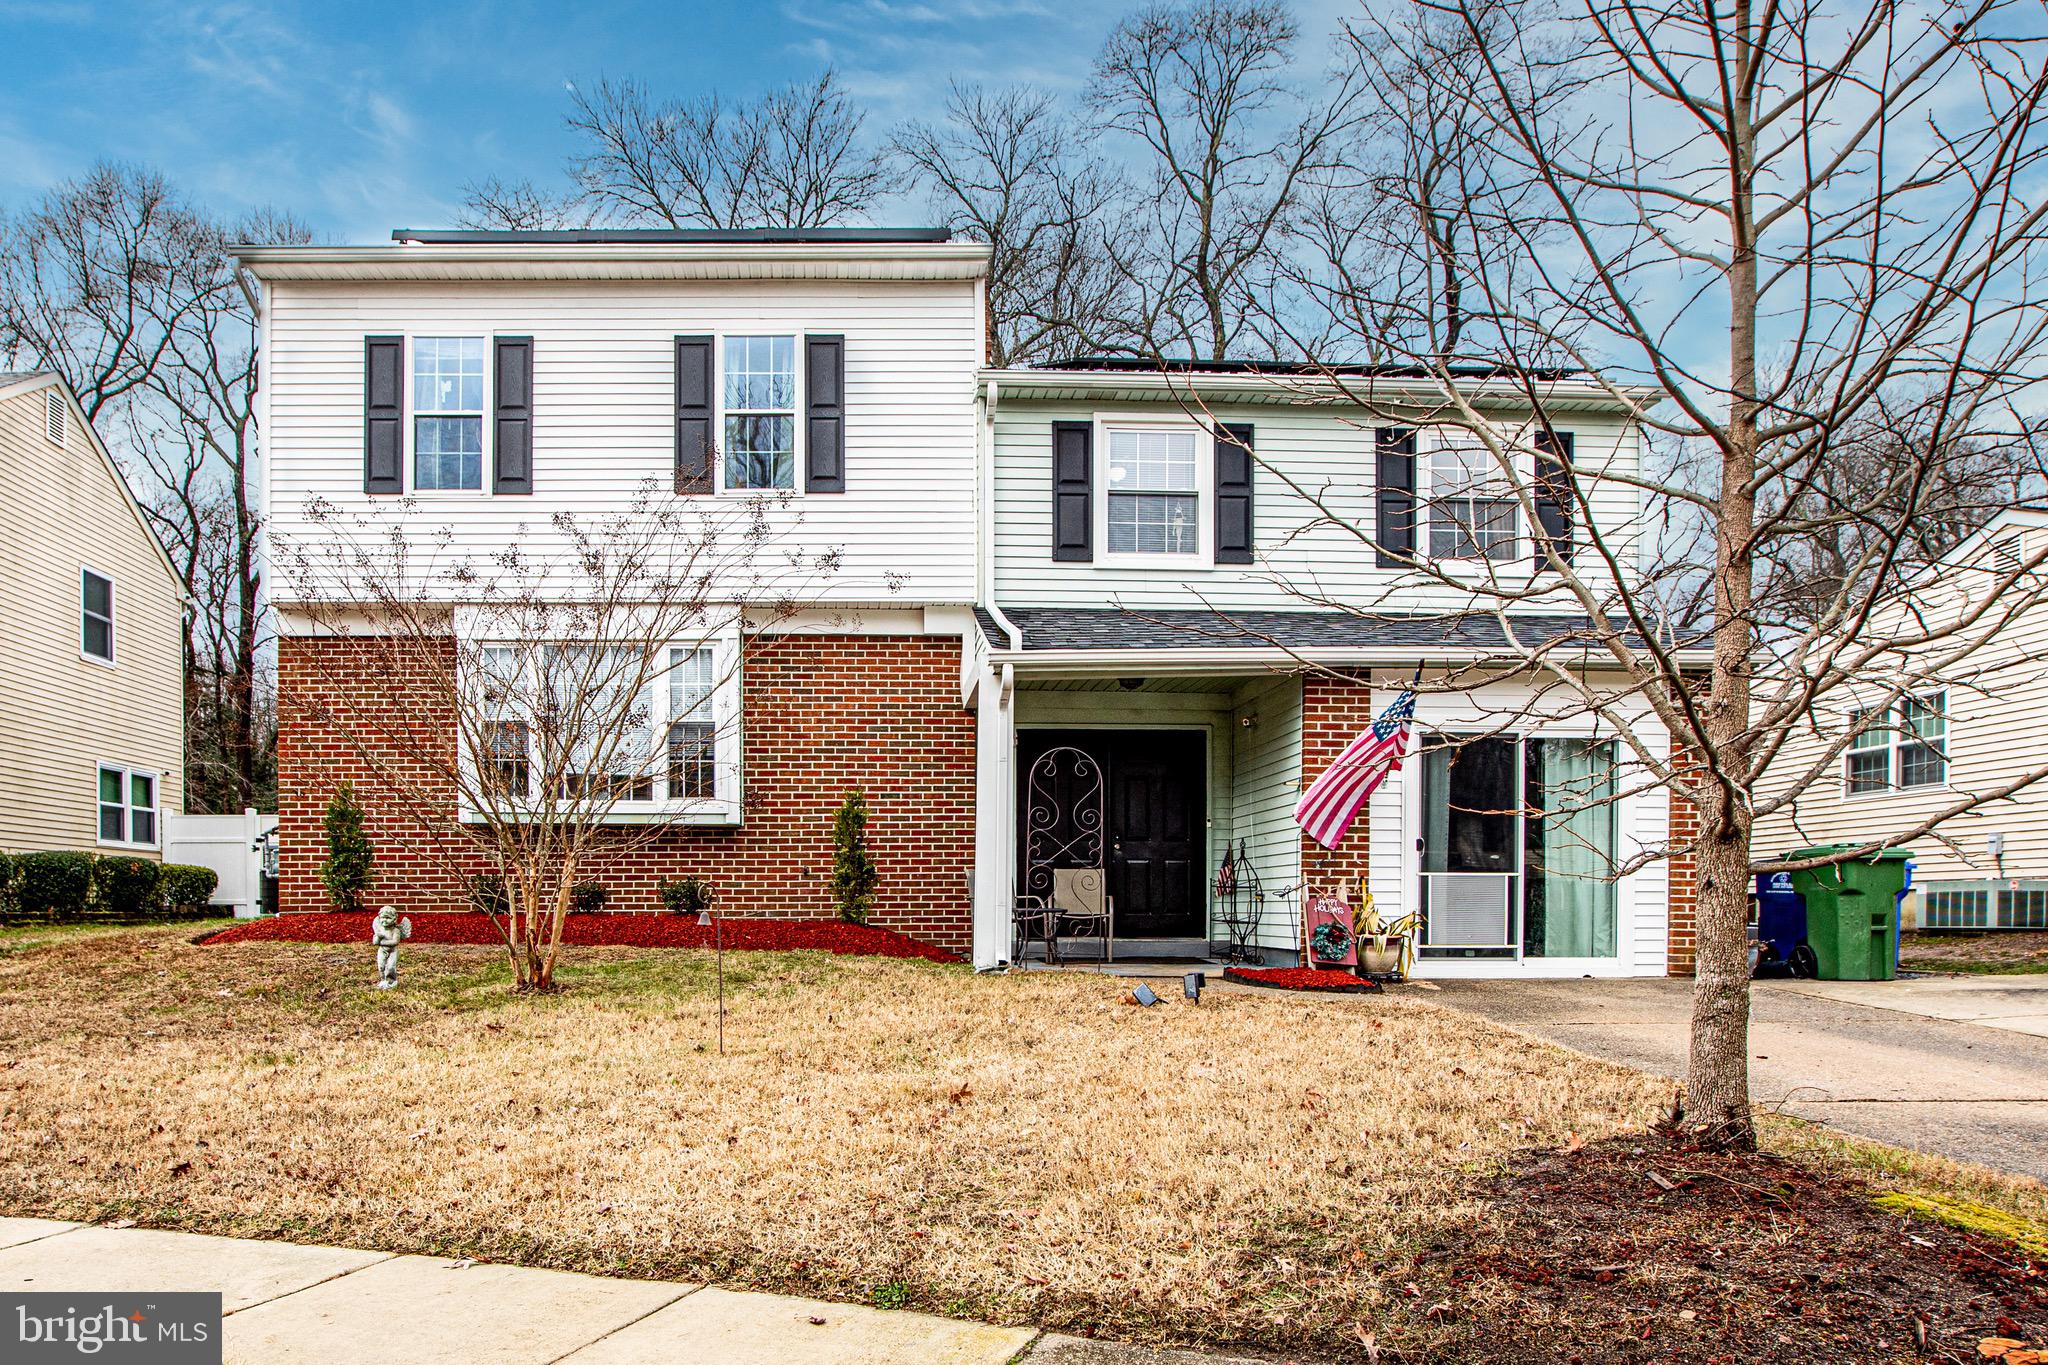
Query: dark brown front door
{"type": "Point", "coordinates": [1155, 817]}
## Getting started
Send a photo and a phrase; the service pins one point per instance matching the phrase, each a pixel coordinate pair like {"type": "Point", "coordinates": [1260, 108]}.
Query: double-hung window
{"type": "Point", "coordinates": [127, 806]}
{"type": "Point", "coordinates": [1472, 509]}
{"type": "Point", "coordinates": [692, 727]}
{"type": "Point", "coordinates": [448, 413]}
{"type": "Point", "coordinates": [96, 615]}
{"type": "Point", "coordinates": [603, 719]}
{"type": "Point", "coordinates": [760, 412]}
{"type": "Point", "coordinates": [1154, 491]}
{"type": "Point", "coordinates": [1902, 746]}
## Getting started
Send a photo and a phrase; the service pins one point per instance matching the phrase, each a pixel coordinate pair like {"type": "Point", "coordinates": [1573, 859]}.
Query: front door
{"type": "Point", "coordinates": [1155, 823]}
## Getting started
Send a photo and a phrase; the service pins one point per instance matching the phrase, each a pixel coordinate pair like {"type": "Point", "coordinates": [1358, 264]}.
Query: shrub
{"type": "Point", "coordinates": [189, 889]}
{"type": "Point", "coordinates": [8, 908]}
{"type": "Point", "coordinates": [853, 872]}
{"type": "Point", "coordinates": [487, 893]}
{"type": "Point", "coordinates": [686, 896]}
{"type": "Point", "coordinates": [587, 898]}
{"type": "Point", "coordinates": [53, 885]}
{"type": "Point", "coordinates": [129, 888]}
{"type": "Point", "coordinates": [347, 872]}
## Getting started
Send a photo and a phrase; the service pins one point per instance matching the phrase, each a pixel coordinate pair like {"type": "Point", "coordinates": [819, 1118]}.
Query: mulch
{"type": "Point", "coordinates": [1299, 979]}
{"type": "Point", "coordinates": [614, 930]}
{"type": "Point", "coordinates": [1645, 1249]}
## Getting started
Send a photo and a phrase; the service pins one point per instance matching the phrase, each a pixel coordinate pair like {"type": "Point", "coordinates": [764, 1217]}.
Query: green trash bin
{"type": "Point", "coordinates": [1852, 912]}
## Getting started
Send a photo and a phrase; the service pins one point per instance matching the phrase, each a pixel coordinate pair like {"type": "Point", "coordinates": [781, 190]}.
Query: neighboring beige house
{"type": "Point", "coordinates": [92, 716]}
{"type": "Point", "coordinates": [1983, 726]}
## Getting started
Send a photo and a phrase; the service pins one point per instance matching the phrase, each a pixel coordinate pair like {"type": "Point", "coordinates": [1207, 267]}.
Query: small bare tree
{"type": "Point", "coordinates": [1775, 238]}
{"type": "Point", "coordinates": [1008, 168]}
{"type": "Point", "coordinates": [548, 708]}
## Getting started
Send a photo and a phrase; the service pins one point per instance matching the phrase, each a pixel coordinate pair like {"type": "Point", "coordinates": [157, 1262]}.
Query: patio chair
{"type": "Point", "coordinates": [1081, 899]}
{"type": "Point", "coordinates": [1031, 917]}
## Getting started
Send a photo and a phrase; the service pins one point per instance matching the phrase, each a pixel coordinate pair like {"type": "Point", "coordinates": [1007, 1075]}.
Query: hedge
{"type": "Point", "coordinates": [188, 889]}
{"type": "Point", "coordinates": [62, 886]}
{"type": "Point", "coordinates": [53, 885]}
{"type": "Point", "coordinates": [128, 888]}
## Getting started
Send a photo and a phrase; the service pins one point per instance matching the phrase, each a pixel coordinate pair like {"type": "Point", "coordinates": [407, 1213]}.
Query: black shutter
{"type": "Point", "coordinates": [825, 404]}
{"type": "Point", "coordinates": [1395, 532]}
{"type": "Point", "coordinates": [693, 415]}
{"type": "Point", "coordinates": [383, 414]}
{"type": "Point", "coordinates": [1073, 491]}
{"type": "Point", "coordinates": [512, 430]}
{"type": "Point", "coordinates": [1234, 495]}
{"type": "Point", "coordinates": [1554, 492]}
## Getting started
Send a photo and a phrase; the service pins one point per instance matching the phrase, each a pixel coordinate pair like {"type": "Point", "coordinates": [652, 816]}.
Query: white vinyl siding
{"type": "Point", "coordinates": [1267, 784]}
{"type": "Point", "coordinates": [604, 414]}
{"type": "Point", "coordinates": [1313, 535]}
{"type": "Point", "coordinates": [67, 711]}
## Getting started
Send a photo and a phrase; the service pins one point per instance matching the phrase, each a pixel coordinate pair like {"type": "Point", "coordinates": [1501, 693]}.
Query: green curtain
{"type": "Point", "coordinates": [1575, 778]}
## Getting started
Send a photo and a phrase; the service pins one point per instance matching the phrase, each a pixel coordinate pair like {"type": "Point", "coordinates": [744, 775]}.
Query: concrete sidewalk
{"type": "Point", "coordinates": [288, 1303]}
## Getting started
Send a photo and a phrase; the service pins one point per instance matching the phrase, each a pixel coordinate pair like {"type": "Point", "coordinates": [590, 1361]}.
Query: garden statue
{"type": "Point", "coordinates": [387, 932]}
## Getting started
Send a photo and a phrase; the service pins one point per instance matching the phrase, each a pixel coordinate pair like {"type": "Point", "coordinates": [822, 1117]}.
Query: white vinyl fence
{"type": "Point", "coordinates": [239, 848]}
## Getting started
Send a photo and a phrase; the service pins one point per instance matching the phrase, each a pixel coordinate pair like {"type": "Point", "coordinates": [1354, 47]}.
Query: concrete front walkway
{"type": "Point", "coordinates": [1949, 1065]}
{"type": "Point", "coordinates": [331, 1305]}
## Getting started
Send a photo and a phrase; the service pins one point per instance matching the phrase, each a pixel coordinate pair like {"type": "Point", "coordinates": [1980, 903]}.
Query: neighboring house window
{"type": "Point", "coordinates": [127, 806]}
{"type": "Point", "coordinates": [1472, 513]}
{"type": "Point", "coordinates": [760, 412]}
{"type": "Point", "coordinates": [53, 416]}
{"type": "Point", "coordinates": [1904, 746]}
{"type": "Point", "coordinates": [448, 413]}
{"type": "Point", "coordinates": [692, 732]}
{"type": "Point", "coordinates": [1154, 491]}
{"type": "Point", "coordinates": [96, 614]}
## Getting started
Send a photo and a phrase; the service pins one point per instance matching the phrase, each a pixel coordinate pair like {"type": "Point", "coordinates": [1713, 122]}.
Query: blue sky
{"type": "Point", "coordinates": [361, 117]}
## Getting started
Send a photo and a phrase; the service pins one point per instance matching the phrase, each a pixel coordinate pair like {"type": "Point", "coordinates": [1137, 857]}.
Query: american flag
{"type": "Point", "coordinates": [1333, 800]}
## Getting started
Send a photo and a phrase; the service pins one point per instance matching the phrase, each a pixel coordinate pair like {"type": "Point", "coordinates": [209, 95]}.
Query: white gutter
{"type": "Point", "coordinates": [1171, 661]}
{"type": "Point", "coordinates": [1344, 391]}
{"type": "Point", "coordinates": [985, 481]}
{"type": "Point", "coordinates": [923, 260]}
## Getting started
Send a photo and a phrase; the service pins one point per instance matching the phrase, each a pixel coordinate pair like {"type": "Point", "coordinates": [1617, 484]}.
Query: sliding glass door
{"type": "Point", "coordinates": [1517, 847]}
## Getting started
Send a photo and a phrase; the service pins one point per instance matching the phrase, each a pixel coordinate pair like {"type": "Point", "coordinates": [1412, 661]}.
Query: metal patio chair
{"type": "Point", "coordinates": [1083, 908]}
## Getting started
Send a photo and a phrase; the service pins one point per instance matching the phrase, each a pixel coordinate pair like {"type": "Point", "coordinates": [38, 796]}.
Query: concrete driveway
{"type": "Point", "coordinates": [1956, 1066]}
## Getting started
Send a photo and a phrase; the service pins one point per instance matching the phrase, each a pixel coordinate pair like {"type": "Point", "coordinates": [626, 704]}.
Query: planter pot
{"type": "Point", "coordinates": [1380, 955]}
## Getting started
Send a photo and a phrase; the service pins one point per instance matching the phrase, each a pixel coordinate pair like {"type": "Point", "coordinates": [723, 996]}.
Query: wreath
{"type": "Point", "coordinates": [1330, 941]}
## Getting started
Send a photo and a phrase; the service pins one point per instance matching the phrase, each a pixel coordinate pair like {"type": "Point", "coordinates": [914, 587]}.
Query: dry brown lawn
{"type": "Point", "coordinates": [1255, 1169]}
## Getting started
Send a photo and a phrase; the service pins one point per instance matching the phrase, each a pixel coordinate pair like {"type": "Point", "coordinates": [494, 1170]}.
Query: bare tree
{"type": "Point", "coordinates": [1229, 149]}
{"type": "Point", "coordinates": [549, 708]}
{"type": "Point", "coordinates": [521, 206]}
{"type": "Point", "coordinates": [1008, 168]}
{"type": "Point", "coordinates": [134, 295]}
{"type": "Point", "coordinates": [793, 158]}
{"type": "Point", "coordinates": [1773, 237]}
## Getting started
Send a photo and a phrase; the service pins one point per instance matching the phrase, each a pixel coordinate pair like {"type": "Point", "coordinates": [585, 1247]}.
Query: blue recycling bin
{"type": "Point", "coordinates": [1780, 932]}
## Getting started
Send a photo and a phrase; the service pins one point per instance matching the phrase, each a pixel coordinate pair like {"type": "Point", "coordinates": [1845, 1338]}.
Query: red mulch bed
{"type": "Point", "coordinates": [1299, 979]}
{"type": "Point", "coordinates": [1641, 1250]}
{"type": "Point", "coordinates": [615, 931]}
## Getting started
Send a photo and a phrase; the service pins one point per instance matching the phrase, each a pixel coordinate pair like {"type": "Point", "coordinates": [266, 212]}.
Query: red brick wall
{"type": "Point", "coordinates": [1682, 933]}
{"type": "Point", "coordinates": [1333, 712]}
{"type": "Point", "coordinates": [822, 715]}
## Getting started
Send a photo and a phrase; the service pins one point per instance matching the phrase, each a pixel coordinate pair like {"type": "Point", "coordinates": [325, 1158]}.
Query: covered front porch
{"type": "Point", "coordinates": [1502, 830]}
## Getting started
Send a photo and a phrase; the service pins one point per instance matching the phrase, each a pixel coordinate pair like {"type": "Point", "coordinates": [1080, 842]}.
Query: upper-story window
{"type": "Point", "coordinates": [448, 413]}
{"type": "Point", "coordinates": [760, 412]}
{"type": "Point", "coordinates": [1901, 746]}
{"type": "Point", "coordinates": [1472, 509]}
{"type": "Point", "coordinates": [1152, 479]}
{"type": "Point", "coordinates": [96, 615]}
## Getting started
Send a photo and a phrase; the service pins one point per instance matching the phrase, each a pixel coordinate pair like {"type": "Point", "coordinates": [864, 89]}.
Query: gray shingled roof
{"type": "Point", "coordinates": [12, 376]}
{"type": "Point", "coordinates": [1089, 628]}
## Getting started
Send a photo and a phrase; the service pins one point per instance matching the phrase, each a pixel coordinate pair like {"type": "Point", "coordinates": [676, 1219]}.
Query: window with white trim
{"type": "Point", "coordinates": [448, 414]}
{"type": "Point", "coordinates": [96, 615]}
{"type": "Point", "coordinates": [1903, 746]}
{"type": "Point", "coordinates": [1472, 509]}
{"type": "Point", "coordinates": [1154, 491]}
{"type": "Point", "coordinates": [586, 718]}
{"type": "Point", "coordinates": [759, 389]}
{"type": "Point", "coordinates": [127, 806]}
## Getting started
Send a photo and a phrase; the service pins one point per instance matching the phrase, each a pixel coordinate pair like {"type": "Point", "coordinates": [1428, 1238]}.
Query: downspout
{"type": "Point", "coordinates": [985, 477]}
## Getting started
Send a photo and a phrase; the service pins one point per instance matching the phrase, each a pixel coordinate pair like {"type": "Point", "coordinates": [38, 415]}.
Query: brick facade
{"type": "Point", "coordinates": [822, 714]}
{"type": "Point", "coordinates": [1682, 933]}
{"type": "Point", "coordinates": [1333, 712]}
